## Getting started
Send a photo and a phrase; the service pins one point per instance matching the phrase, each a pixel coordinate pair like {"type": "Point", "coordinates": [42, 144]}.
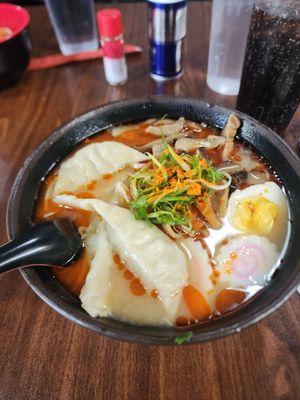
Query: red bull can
{"type": "Point", "coordinates": [167, 29]}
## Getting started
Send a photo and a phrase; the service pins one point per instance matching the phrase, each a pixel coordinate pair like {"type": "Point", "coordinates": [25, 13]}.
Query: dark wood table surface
{"type": "Point", "coordinates": [43, 355]}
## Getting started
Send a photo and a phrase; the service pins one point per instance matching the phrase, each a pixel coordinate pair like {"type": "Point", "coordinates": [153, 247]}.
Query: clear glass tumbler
{"type": "Point", "coordinates": [74, 25]}
{"type": "Point", "coordinates": [228, 35]}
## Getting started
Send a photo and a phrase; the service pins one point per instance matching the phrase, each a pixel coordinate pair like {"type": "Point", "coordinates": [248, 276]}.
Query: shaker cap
{"type": "Point", "coordinates": [110, 22]}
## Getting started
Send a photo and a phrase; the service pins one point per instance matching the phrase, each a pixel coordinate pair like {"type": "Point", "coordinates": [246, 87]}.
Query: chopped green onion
{"type": "Point", "coordinates": [163, 191]}
{"type": "Point", "coordinates": [184, 338]}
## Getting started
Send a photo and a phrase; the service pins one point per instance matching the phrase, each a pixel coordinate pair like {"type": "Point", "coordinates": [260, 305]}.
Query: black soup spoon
{"type": "Point", "coordinates": [54, 243]}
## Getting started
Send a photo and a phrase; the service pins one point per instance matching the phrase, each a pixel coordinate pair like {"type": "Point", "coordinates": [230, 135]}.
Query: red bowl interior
{"type": "Point", "coordinates": [13, 17]}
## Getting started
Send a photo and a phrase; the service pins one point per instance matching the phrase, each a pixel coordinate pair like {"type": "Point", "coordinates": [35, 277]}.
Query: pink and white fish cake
{"type": "Point", "coordinates": [245, 261]}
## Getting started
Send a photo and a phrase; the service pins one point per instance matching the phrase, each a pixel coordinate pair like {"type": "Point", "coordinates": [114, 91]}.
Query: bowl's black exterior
{"type": "Point", "coordinates": [14, 58]}
{"type": "Point", "coordinates": [66, 138]}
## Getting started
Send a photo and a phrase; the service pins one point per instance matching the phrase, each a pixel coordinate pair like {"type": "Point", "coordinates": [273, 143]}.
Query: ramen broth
{"type": "Point", "coordinates": [129, 298]}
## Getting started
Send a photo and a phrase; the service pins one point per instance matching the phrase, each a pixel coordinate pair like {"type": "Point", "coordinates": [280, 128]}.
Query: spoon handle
{"type": "Point", "coordinates": [52, 243]}
{"type": "Point", "coordinates": [27, 249]}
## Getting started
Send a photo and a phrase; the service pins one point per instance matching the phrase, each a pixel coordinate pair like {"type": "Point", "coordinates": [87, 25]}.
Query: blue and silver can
{"type": "Point", "coordinates": [167, 29]}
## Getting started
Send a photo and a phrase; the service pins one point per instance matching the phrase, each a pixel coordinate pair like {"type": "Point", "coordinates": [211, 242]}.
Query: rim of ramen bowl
{"type": "Point", "coordinates": [66, 138]}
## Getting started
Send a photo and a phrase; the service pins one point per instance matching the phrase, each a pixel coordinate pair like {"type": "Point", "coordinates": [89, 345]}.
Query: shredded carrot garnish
{"type": "Point", "coordinates": [164, 191]}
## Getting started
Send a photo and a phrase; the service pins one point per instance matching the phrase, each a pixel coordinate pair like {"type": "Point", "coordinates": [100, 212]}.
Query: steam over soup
{"type": "Point", "coordinates": [181, 222]}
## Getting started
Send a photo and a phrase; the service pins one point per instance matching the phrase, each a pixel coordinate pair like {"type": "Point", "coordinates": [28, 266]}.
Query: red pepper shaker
{"type": "Point", "coordinates": [112, 42]}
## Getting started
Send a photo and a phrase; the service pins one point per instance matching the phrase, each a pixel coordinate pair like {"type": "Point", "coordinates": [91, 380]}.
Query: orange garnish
{"type": "Point", "coordinates": [194, 189]}
{"type": "Point", "coordinates": [196, 303]}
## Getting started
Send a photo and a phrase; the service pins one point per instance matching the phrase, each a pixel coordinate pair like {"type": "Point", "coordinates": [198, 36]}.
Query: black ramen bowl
{"type": "Point", "coordinates": [65, 139]}
{"type": "Point", "coordinates": [15, 47]}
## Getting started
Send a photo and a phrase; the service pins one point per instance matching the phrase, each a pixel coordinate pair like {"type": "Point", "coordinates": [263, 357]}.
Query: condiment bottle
{"type": "Point", "coordinates": [112, 42]}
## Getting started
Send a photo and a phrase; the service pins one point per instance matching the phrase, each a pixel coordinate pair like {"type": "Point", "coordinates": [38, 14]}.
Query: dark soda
{"type": "Point", "coordinates": [270, 84]}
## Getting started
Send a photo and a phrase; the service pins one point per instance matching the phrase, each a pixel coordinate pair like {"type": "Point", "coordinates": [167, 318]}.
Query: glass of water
{"type": "Point", "coordinates": [228, 35]}
{"type": "Point", "coordinates": [74, 25]}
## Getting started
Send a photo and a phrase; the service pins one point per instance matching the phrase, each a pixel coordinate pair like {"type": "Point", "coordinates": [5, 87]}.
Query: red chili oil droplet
{"type": "Point", "coordinates": [136, 287]}
{"type": "Point", "coordinates": [91, 185]}
{"type": "Point", "coordinates": [128, 274]}
{"type": "Point", "coordinates": [107, 176]}
{"type": "Point", "coordinates": [154, 293]}
{"type": "Point", "coordinates": [118, 262]}
{"type": "Point", "coordinates": [182, 321]}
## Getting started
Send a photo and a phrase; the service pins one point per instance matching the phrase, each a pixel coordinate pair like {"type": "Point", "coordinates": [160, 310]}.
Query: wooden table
{"type": "Point", "coordinates": [43, 355]}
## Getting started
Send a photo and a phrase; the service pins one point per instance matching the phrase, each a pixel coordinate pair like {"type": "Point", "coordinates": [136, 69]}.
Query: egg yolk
{"type": "Point", "coordinates": [255, 215]}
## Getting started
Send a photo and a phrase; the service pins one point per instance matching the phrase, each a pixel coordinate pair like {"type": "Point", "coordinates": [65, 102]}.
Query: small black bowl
{"type": "Point", "coordinates": [15, 48]}
{"type": "Point", "coordinates": [65, 139]}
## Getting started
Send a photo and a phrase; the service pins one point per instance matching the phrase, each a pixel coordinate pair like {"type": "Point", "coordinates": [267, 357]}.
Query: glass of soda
{"type": "Point", "coordinates": [270, 84]}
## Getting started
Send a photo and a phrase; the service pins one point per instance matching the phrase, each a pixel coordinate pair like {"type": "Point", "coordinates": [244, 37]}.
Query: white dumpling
{"type": "Point", "coordinates": [105, 189]}
{"type": "Point", "coordinates": [91, 162]}
{"type": "Point", "coordinates": [150, 254]}
{"type": "Point", "coordinates": [97, 284]}
{"type": "Point", "coordinates": [127, 307]}
{"type": "Point", "coordinates": [106, 293]}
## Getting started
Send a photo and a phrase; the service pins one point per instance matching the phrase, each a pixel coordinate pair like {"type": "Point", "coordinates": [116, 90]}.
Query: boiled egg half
{"type": "Point", "coordinates": [262, 210]}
